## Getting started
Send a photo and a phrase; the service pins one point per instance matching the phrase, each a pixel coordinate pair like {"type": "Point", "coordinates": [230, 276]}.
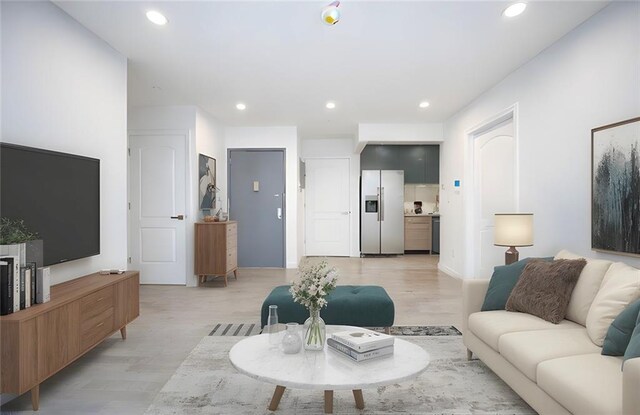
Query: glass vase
{"type": "Point", "coordinates": [315, 331]}
{"type": "Point", "coordinates": [291, 341]}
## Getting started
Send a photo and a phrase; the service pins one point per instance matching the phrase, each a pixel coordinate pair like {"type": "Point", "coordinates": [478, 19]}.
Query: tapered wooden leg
{"type": "Point", "coordinates": [277, 395]}
{"type": "Point", "coordinates": [35, 397]}
{"type": "Point", "coordinates": [387, 330]}
{"type": "Point", "coordinates": [328, 402]}
{"type": "Point", "coordinates": [225, 280]}
{"type": "Point", "coordinates": [469, 354]}
{"type": "Point", "coordinates": [357, 395]}
{"type": "Point", "coordinates": [123, 333]}
{"type": "Point", "coordinates": [235, 273]}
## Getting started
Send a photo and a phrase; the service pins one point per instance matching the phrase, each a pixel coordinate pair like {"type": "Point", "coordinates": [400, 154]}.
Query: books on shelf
{"type": "Point", "coordinates": [6, 287]}
{"type": "Point", "coordinates": [358, 356]}
{"type": "Point", "coordinates": [363, 340]}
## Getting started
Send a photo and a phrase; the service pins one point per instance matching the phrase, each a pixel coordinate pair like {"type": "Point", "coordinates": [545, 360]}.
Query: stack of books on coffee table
{"type": "Point", "coordinates": [360, 345]}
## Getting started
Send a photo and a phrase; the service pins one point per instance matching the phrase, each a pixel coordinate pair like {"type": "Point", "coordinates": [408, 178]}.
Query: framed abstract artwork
{"type": "Point", "coordinates": [615, 188]}
{"type": "Point", "coordinates": [207, 182]}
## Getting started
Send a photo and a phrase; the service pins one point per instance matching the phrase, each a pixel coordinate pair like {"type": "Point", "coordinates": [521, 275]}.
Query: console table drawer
{"type": "Point", "coordinates": [95, 329]}
{"type": "Point", "coordinates": [96, 303]}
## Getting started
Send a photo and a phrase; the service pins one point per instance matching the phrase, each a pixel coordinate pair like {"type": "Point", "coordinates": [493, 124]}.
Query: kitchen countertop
{"type": "Point", "coordinates": [421, 214]}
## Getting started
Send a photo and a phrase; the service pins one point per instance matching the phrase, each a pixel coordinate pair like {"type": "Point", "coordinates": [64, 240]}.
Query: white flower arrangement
{"type": "Point", "coordinates": [315, 282]}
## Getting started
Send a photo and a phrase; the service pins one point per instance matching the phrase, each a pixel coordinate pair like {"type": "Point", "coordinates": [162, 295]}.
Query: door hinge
{"type": "Point", "coordinates": [129, 151]}
{"type": "Point", "coordinates": [129, 205]}
{"type": "Point", "coordinates": [129, 259]}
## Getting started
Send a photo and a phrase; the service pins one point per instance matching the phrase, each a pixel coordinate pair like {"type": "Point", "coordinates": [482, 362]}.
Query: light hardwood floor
{"type": "Point", "coordinates": [123, 377]}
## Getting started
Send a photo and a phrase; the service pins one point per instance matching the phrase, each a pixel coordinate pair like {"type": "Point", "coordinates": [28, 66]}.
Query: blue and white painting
{"type": "Point", "coordinates": [615, 216]}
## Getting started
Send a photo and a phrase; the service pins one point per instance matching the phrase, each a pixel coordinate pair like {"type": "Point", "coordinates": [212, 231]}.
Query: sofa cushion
{"type": "Point", "coordinates": [490, 325]}
{"type": "Point", "coordinates": [586, 288]}
{"type": "Point", "coordinates": [502, 281]}
{"type": "Point", "coordinates": [526, 349]}
{"type": "Point", "coordinates": [545, 288]}
{"type": "Point", "coordinates": [587, 384]}
{"type": "Point", "coordinates": [633, 348]}
{"type": "Point", "coordinates": [620, 287]}
{"type": "Point", "coordinates": [620, 331]}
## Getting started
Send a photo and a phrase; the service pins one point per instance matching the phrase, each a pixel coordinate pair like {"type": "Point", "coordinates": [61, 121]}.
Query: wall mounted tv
{"type": "Point", "coordinates": [57, 195]}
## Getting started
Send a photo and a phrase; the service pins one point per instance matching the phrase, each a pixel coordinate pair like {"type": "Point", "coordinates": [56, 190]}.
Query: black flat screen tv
{"type": "Point", "coordinates": [57, 195]}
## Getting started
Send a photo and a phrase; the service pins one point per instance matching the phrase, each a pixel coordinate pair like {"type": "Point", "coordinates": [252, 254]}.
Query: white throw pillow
{"type": "Point", "coordinates": [620, 287]}
{"type": "Point", "coordinates": [587, 287]}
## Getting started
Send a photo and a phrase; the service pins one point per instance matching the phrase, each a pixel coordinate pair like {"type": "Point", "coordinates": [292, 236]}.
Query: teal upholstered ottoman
{"type": "Point", "coordinates": [349, 305]}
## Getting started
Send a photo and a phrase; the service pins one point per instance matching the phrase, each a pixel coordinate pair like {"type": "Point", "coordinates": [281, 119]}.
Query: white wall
{"type": "Point", "coordinates": [210, 142]}
{"type": "Point", "coordinates": [65, 89]}
{"type": "Point", "coordinates": [341, 148]}
{"type": "Point", "coordinates": [589, 78]}
{"type": "Point", "coordinates": [205, 135]}
{"type": "Point", "coordinates": [275, 137]}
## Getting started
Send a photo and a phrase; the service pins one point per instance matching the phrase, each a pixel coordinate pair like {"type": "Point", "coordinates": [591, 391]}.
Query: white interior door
{"type": "Point", "coordinates": [327, 208]}
{"type": "Point", "coordinates": [157, 171]}
{"type": "Point", "coordinates": [495, 191]}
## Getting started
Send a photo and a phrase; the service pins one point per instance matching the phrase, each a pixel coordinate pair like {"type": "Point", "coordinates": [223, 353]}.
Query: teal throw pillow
{"type": "Point", "coordinates": [620, 331]}
{"type": "Point", "coordinates": [503, 280]}
{"type": "Point", "coordinates": [633, 349]}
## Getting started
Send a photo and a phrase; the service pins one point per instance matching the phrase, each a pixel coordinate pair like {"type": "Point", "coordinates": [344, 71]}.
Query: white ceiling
{"type": "Point", "coordinates": [377, 63]}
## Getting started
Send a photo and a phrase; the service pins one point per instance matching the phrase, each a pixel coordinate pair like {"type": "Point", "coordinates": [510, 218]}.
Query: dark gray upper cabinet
{"type": "Point", "coordinates": [421, 163]}
{"type": "Point", "coordinates": [432, 164]}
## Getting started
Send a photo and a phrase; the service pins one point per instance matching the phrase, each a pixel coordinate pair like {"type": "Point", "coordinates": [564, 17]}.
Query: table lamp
{"type": "Point", "coordinates": [512, 230]}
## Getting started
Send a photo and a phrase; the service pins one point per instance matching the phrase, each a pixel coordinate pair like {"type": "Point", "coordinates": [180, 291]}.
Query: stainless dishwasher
{"type": "Point", "coordinates": [435, 235]}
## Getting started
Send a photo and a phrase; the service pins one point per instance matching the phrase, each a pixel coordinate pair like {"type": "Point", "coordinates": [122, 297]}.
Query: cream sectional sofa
{"type": "Point", "coordinates": [558, 368]}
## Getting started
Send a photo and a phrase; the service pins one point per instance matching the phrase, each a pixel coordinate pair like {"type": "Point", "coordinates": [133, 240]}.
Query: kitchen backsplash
{"type": "Point", "coordinates": [426, 193]}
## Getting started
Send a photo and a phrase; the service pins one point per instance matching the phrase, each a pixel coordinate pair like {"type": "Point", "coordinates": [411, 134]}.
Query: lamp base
{"type": "Point", "coordinates": [511, 255]}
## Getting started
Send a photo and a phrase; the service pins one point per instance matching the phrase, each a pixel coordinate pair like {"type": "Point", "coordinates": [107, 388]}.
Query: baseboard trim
{"type": "Point", "coordinates": [449, 271]}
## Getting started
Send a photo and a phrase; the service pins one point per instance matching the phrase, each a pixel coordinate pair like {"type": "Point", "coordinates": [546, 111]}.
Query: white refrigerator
{"type": "Point", "coordinates": [382, 212]}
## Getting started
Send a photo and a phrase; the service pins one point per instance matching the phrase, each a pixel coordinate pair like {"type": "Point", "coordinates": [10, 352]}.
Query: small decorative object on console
{"type": "Point", "coordinates": [315, 282]}
{"type": "Point", "coordinates": [111, 271]}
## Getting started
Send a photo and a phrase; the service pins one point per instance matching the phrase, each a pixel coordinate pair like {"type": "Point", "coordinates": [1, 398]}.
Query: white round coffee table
{"type": "Point", "coordinates": [325, 370]}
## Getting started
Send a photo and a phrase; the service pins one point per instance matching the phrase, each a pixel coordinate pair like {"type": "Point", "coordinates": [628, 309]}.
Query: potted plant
{"type": "Point", "coordinates": [17, 240]}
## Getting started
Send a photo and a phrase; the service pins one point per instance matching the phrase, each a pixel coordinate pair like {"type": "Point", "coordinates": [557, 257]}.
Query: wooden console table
{"type": "Point", "coordinates": [45, 338]}
{"type": "Point", "coordinates": [216, 249]}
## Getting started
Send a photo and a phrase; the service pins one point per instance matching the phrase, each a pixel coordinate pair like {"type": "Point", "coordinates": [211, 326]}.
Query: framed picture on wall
{"type": "Point", "coordinates": [615, 188]}
{"type": "Point", "coordinates": [207, 182]}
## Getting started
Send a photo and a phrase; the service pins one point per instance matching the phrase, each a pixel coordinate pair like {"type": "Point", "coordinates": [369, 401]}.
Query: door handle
{"type": "Point", "coordinates": [179, 217]}
{"type": "Point", "coordinates": [279, 214]}
{"type": "Point", "coordinates": [345, 213]}
{"type": "Point", "coordinates": [382, 204]}
{"type": "Point", "coordinates": [379, 204]}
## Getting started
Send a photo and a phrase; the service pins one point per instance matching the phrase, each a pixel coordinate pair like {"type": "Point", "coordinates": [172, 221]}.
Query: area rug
{"type": "Point", "coordinates": [206, 383]}
{"type": "Point", "coordinates": [251, 329]}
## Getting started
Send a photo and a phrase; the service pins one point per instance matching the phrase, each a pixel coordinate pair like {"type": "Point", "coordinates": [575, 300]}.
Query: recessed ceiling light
{"type": "Point", "coordinates": [157, 17]}
{"type": "Point", "coordinates": [241, 106]}
{"type": "Point", "coordinates": [514, 10]}
{"type": "Point", "coordinates": [330, 105]}
{"type": "Point", "coordinates": [424, 104]}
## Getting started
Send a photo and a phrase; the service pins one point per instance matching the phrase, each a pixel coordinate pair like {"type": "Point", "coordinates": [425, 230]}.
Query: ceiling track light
{"type": "Point", "coordinates": [331, 14]}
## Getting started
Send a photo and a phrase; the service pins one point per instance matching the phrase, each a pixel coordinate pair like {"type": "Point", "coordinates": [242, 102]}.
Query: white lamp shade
{"type": "Point", "coordinates": [513, 229]}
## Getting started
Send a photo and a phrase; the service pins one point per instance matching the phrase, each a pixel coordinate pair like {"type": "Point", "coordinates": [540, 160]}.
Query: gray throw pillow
{"type": "Point", "coordinates": [544, 288]}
